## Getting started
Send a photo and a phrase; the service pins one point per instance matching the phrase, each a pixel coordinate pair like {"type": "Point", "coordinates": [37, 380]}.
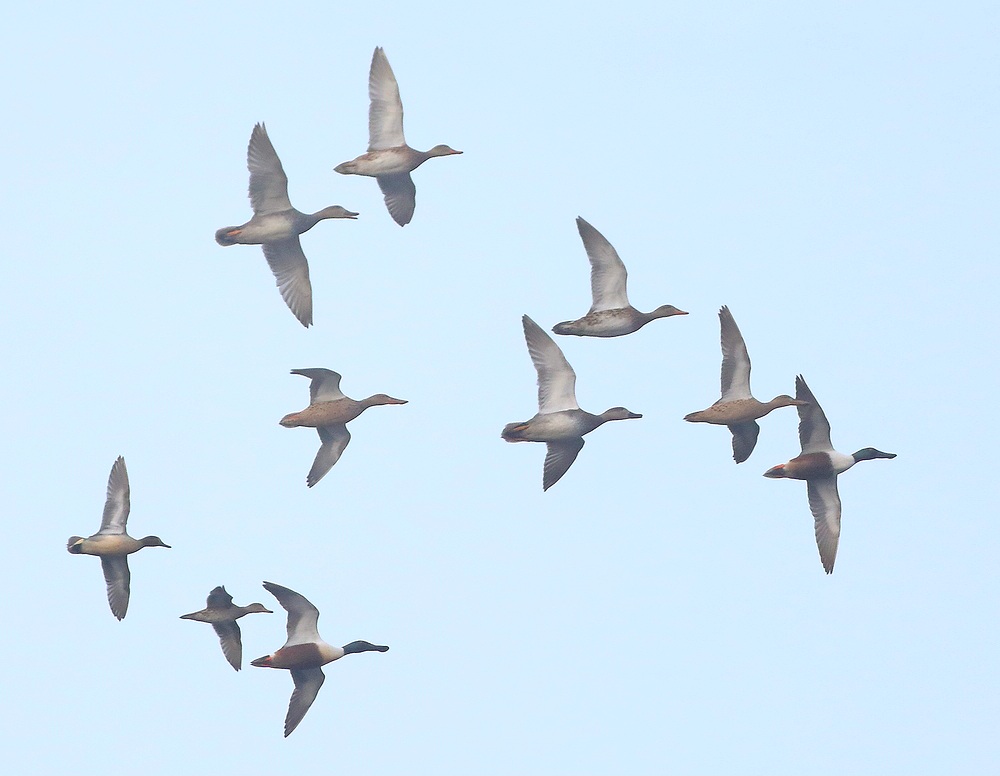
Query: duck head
{"type": "Point", "coordinates": [870, 453]}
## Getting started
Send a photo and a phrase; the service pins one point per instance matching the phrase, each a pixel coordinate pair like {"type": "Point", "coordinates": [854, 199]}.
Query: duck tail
{"type": "Point", "coordinates": [227, 235]}
{"type": "Point", "coordinates": [512, 432]}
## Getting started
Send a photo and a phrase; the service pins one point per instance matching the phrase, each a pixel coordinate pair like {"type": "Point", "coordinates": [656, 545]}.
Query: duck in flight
{"type": "Point", "coordinates": [610, 315]}
{"type": "Point", "coordinates": [276, 225]}
{"type": "Point", "coordinates": [111, 543]}
{"type": "Point", "coordinates": [389, 159]}
{"type": "Point", "coordinates": [820, 465]}
{"type": "Point", "coordinates": [329, 412]}
{"type": "Point", "coordinates": [304, 652]}
{"type": "Point", "coordinates": [559, 422]}
{"type": "Point", "coordinates": [737, 408]}
{"type": "Point", "coordinates": [223, 614]}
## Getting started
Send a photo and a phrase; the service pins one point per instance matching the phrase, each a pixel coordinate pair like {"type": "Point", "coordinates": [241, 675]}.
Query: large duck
{"type": "Point", "coordinates": [737, 408]}
{"type": "Point", "coordinates": [389, 159]}
{"type": "Point", "coordinates": [610, 315]}
{"type": "Point", "coordinates": [820, 465]}
{"type": "Point", "coordinates": [276, 225]}
{"type": "Point", "coordinates": [559, 422]}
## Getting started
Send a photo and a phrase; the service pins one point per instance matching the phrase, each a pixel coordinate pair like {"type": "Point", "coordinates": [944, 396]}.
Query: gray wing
{"type": "Point", "coordinates": [219, 598]}
{"type": "Point", "coordinates": [268, 182]}
{"type": "Point", "coordinates": [302, 615]}
{"type": "Point", "coordinates": [556, 378]}
{"type": "Point", "coordinates": [231, 641]}
{"type": "Point", "coordinates": [814, 428]}
{"type": "Point", "coordinates": [735, 359]}
{"type": "Point", "coordinates": [400, 196]}
{"type": "Point", "coordinates": [559, 456]}
{"type": "Point", "coordinates": [117, 577]}
{"type": "Point", "coordinates": [608, 276]}
{"type": "Point", "coordinates": [334, 440]}
{"type": "Point", "coordinates": [117, 503]}
{"type": "Point", "coordinates": [291, 273]}
{"type": "Point", "coordinates": [385, 111]}
{"type": "Point", "coordinates": [325, 385]}
{"type": "Point", "coordinates": [824, 503]}
{"type": "Point", "coordinates": [307, 684]}
{"type": "Point", "coordinates": [744, 439]}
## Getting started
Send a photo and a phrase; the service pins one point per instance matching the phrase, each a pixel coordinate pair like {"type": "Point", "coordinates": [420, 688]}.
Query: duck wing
{"type": "Point", "coordinates": [400, 196]}
{"type": "Point", "coordinates": [117, 503]}
{"type": "Point", "coordinates": [307, 684]}
{"type": "Point", "coordinates": [231, 640]}
{"type": "Point", "coordinates": [334, 440]}
{"type": "Point", "coordinates": [268, 182]}
{"type": "Point", "coordinates": [735, 359]}
{"type": "Point", "coordinates": [325, 385]}
{"type": "Point", "coordinates": [219, 598]}
{"type": "Point", "coordinates": [556, 378]}
{"type": "Point", "coordinates": [291, 273]}
{"type": "Point", "coordinates": [744, 439]}
{"type": "Point", "coordinates": [117, 578]}
{"type": "Point", "coordinates": [608, 276]}
{"type": "Point", "coordinates": [302, 615]}
{"type": "Point", "coordinates": [385, 111]}
{"type": "Point", "coordinates": [559, 457]}
{"type": "Point", "coordinates": [814, 428]}
{"type": "Point", "coordinates": [824, 503]}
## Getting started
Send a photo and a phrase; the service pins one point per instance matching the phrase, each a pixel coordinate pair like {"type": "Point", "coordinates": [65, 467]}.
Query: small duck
{"type": "Point", "coordinates": [819, 464]}
{"type": "Point", "coordinates": [560, 422]}
{"type": "Point", "coordinates": [611, 315]}
{"type": "Point", "coordinates": [737, 408]}
{"type": "Point", "coordinates": [304, 652]}
{"type": "Point", "coordinates": [276, 225]}
{"type": "Point", "coordinates": [222, 614]}
{"type": "Point", "coordinates": [112, 544]}
{"type": "Point", "coordinates": [328, 412]}
{"type": "Point", "coordinates": [389, 159]}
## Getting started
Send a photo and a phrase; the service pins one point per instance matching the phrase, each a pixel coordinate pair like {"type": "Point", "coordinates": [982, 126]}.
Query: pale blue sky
{"type": "Point", "coordinates": [830, 173]}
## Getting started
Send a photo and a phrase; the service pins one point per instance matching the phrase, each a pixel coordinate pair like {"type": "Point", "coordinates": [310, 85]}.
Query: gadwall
{"type": "Point", "coordinates": [819, 464]}
{"type": "Point", "coordinates": [304, 652]}
{"type": "Point", "coordinates": [611, 315]}
{"type": "Point", "coordinates": [737, 408]}
{"type": "Point", "coordinates": [223, 614]}
{"type": "Point", "coordinates": [328, 412]}
{"type": "Point", "coordinates": [560, 422]}
{"type": "Point", "coordinates": [276, 225]}
{"type": "Point", "coordinates": [112, 544]}
{"type": "Point", "coordinates": [389, 159]}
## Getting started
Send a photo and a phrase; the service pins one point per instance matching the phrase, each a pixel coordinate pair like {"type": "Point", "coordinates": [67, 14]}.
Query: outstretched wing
{"type": "Point", "coordinates": [334, 440]}
{"type": "Point", "coordinates": [824, 503]}
{"type": "Point", "coordinates": [117, 502]}
{"type": "Point", "coordinates": [608, 276]}
{"type": "Point", "coordinates": [400, 196]}
{"type": "Point", "coordinates": [735, 359]}
{"type": "Point", "coordinates": [117, 577]}
{"type": "Point", "coordinates": [556, 378]}
{"type": "Point", "coordinates": [291, 273]}
{"type": "Point", "coordinates": [325, 385]}
{"type": "Point", "coordinates": [559, 456]}
{"type": "Point", "coordinates": [814, 428]}
{"type": "Point", "coordinates": [268, 182]}
{"type": "Point", "coordinates": [385, 112]}
{"type": "Point", "coordinates": [307, 684]}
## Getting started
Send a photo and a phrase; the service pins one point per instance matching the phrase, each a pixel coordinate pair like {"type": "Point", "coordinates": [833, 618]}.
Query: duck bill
{"type": "Point", "coordinates": [776, 472]}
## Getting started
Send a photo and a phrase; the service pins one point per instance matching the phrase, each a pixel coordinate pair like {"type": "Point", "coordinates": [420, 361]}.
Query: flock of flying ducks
{"type": "Point", "coordinates": [559, 422]}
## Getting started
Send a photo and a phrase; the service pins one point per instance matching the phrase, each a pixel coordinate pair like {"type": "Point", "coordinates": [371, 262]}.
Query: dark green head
{"type": "Point", "coordinates": [363, 646]}
{"type": "Point", "coordinates": [870, 453]}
